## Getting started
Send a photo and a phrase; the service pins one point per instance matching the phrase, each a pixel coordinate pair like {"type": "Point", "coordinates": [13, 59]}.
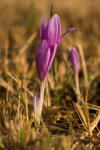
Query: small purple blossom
{"type": "Point", "coordinates": [74, 59]}
{"type": "Point", "coordinates": [50, 35]}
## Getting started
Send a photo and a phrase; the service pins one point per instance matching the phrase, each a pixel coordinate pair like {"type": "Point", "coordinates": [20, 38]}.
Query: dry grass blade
{"type": "Point", "coordinates": [26, 103]}
{"type": "Point", "coordinates": [28, 91]}
{"type": "Point", "coordinates": [84, 117]}
{"type": "Point", "coordinates": [95, 122]}
{"type": "Point", "coordinates": [83, 65]}
{"type": "Point", "coordinates": [13, 78]}
{"type": "Point", "coordinates": [92, 127]}
{"type": "Point", "coordinates": [47, 102]}
{"type": "Point", "coordinates": [18, 82]}
{"type": "Point", "coordinates": [27, 45]}
{"type": "Point", "coordinates": [4, 84]}
{"type": "Point", "coordinates": [86, 112]}
{"type": "Point", "coordinates": [92, 106]}
{"type": "Point", "coordinates": [81, 115]}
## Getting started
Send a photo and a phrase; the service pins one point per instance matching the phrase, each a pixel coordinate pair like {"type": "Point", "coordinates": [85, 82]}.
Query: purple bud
{"type": "Point", "coordinates": [50, 39]}
{"type": "Point", "coordinates": [74, 59]}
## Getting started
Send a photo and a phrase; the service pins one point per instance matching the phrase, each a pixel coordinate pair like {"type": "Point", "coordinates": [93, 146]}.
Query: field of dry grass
{"type": "Point", "coordinates": [65, 125]}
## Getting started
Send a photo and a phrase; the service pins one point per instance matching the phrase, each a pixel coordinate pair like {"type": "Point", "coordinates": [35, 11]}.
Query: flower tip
{"type": "Point", "coordinates": [73, 28]}
{"type": "Point", "coordinates": [74, 50]}
{"type": "Point", "coordinates": [56, 15]}
{"type": "Point", "coordinates": [42, 27]}
{"type": "Point", "coordinates": [43, 20]}
{"type": "Point", "coordinates": [70, 29]}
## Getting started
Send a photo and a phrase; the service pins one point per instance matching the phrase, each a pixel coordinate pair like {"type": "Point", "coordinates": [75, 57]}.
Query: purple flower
{"type": "Point", "coordinates": [74, 59]}
{"type": "Point", "coordinates": [50, 35]}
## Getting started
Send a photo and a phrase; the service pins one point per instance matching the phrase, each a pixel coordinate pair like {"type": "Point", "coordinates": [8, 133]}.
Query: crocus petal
{"type": "Point", "coordinates": [69, 30]}
{"type": "Point", "coordinates": [42, 59]}
{"type": "Point", "coordinates": [74, 59]}
{"type": "Point", "coordinates": [53, 52]}
{"type": "Point", "coordinates": [52, 30]}
{"type": "Point", "coordinates": [42, 28]}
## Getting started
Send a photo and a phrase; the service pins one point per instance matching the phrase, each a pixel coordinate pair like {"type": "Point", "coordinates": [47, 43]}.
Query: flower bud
{"type": "Point", "coordinates": [74, 59]}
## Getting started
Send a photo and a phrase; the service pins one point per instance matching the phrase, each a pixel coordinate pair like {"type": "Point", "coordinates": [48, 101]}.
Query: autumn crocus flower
{"type": "Point", "coordinates": [50, 38]}
{"type": "Point", "coordinates": [50, 35]}
{"type": "Point", "coordinates": [75, 63]}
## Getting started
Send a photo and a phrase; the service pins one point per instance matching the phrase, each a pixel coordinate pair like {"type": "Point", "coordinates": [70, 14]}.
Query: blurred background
{"type": "Point", "coordinates": [20, 23]}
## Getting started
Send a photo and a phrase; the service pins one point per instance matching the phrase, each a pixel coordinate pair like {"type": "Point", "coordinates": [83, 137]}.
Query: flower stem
{"type": "Point", "coordinates": [40, 105]}
{"type": "Point", "coordinates": [77, 87]}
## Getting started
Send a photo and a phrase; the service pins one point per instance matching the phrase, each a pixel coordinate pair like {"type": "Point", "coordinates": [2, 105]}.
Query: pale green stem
{"type": "Point", "coordinates": [77, 87]}
{"type": "Point", "coordinates": [38, 109]}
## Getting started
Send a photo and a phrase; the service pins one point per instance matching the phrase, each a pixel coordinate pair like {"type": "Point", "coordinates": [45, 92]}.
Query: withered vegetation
{"type": "Point", "coordinates": [65, 125]}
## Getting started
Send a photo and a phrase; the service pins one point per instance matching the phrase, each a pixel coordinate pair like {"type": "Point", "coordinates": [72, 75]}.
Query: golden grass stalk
{"type": "Point", "coordinates": [83, 65]}
{"type": "Point", "coordinates": [26, 104]}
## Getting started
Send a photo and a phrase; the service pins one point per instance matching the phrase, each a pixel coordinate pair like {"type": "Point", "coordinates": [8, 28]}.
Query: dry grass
{"type": "Point", "coordinates": [64, 124]}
